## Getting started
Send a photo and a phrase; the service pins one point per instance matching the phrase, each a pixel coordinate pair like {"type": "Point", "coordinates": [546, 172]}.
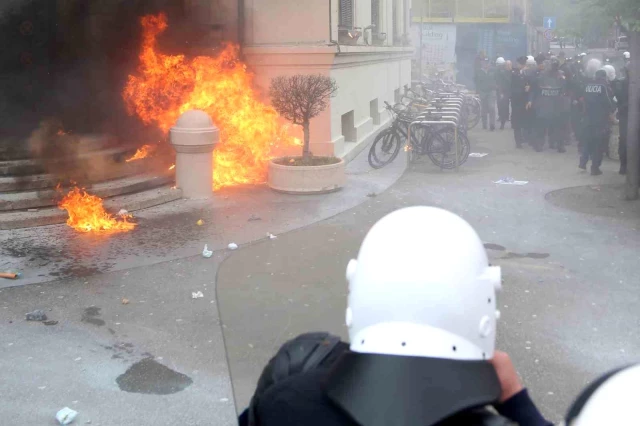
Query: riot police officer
{"type": "Point", "coordinates": [599, 109]}
{"type": "Point", "coordinates": [503, 86]}
{"type": "Point", "coordinates": [519, 101]}
{"type": "Point", "coordinates": [546, 99]}
{"type": "Point", "coordinates": [621, 92]}
{"type": "Point", "coordinates": [530, 73]}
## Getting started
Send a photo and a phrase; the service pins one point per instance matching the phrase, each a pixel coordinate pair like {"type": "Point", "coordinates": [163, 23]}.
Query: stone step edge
{"type": "Point", "coordinates": [104, 190]}
{"type": "Point", "coordinates": [54, 216]}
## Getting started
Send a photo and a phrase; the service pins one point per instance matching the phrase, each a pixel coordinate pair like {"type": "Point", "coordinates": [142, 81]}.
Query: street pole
{"type": "Point", "coordinates": [633, 129]}
{"type": "Point", "coordinates": [421, 25]}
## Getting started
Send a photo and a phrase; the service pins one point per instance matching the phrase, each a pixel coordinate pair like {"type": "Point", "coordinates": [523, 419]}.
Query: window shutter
{"type": "Point", "coordinates": [346, 13]}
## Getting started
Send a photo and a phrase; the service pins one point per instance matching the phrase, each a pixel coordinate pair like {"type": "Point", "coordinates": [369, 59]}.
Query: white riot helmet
{"type": "Point", "coordinates": [531, 60]}
{"type": "Point", "coordinates": [627, 55]}
{"type": "Point", "coordinates": [582, 54]}
{"type": "Point", "coordinates": [611, 400]}
{"type": "Point", "coordinates": [500, 61]}
{"type": "Point", "coordinates": [592, 66]}
{"type": "Point", "coordinates": [422, 287]}
{"type": "Point", "coordinates": [611, 72]}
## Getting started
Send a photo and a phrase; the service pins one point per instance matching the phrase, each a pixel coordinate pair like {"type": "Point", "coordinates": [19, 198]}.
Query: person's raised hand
{"type": "Point", "coordinates": [507, 375]}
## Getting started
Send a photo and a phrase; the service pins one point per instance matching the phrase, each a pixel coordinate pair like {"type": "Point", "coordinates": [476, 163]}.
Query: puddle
{"type": "Point", "coordinates": [150, 377]}
{"type": "Point", "coordinates": [491, 246]}
{"type": "Point", "coordinates": [90, 316]}
{"type": "Point", "coordinates": [512, 255]}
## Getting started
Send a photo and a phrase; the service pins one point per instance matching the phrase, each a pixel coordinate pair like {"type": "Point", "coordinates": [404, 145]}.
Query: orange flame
{"type": "Point", "coordinates": [142, 152]}
{"type": "Point", "coordinates": [87, 214]}
{"type": "Point", "coordinates": [169, 85]}
{"type": "Point", "coordinates": [171, 167]}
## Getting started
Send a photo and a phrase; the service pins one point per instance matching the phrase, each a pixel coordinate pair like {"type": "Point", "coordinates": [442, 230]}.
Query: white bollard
{"type": "Point", "coordinates": [194, 137]}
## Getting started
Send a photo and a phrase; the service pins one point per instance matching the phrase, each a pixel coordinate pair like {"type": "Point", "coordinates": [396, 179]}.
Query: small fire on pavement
{"type": "Point", "coordinates": [87, 214]}
{"type": "Point", "coordinates": [143, 152]}
{"type": "Point", "coordinates": [166, 86]}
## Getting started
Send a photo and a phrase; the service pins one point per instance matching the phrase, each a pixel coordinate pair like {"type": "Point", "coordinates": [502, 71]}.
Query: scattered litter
{"type": "Point", "coordinates": [50, 322]}
{"type": "Point", "coordinates": [206, 252]}
{"type": "Point", "coordinates": [123, 212]}
{"type": "Point", "coordinates": [510, 181]}
{"type": "Point", "coordinates": [37, 315]}
{"type": "Point", "coordinates": [197, 295]}
{"type": "Point", "coordinates": [10, 275]}
{"type": "Point", "coordinates": [78, 359]}
{"type": "Point", "coordinates": [372, 194]}
{"type": "Point", "coordinates": [271, 236]}
{"type": "Point", "coordinates": [232, 246]}
{"type": "Point", "coordinates": [253, 218]}
{"type": "Point", "coordinates": [125, 301]}
{"type": "Point", "coordinates": [224, 399]}
{"type": "Point", "coordinates": [66, 416]}
{"type": "Point", "coordinates": [200, 222]}
{"type": "Point", "coordinates": [42, 387]}
{"type": "Point", "coordinates": [478, 154]}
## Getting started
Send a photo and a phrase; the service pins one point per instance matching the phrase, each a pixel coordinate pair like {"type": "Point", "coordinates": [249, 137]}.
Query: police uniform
{"type": "Point", "coordinates": [530, 78]}
{"type": "Point", "coordinates": [599, 105]}
{"type": "Point", "coordinates": [548, 104]}
{"type": "Point", "coordinates": [519, 105]}
{"type": "Point", "coordinates": [503, 83]}
{"type": "Point", "coordinates": [621, 91]}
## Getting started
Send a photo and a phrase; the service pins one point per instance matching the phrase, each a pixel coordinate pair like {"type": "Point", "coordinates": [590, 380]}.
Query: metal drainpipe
{"type": "Point", "coordinates": [331, 40]}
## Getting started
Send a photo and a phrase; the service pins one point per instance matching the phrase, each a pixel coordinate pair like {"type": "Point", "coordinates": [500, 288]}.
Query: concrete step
{"type": "Point", "coordinates": [46, 198]}
{"type": "Point", "coordinates": [53, 215]}
{"type": "Point", "coordinates": [103, 158]}
{"type": "Point", "coordinates": [10, 152]}
{"type": "Point", "coordinates": [42, 181]}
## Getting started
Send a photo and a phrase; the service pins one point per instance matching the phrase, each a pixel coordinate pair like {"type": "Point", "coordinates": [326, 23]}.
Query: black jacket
{"type": "Point", "coordinates": [598, 103]}
{"type": "Point", "coordinates": [485, 81]}
{"type": "Point", "coordinates": [300, 401]}
{"type": "Point", "coordinates": [621, 92]}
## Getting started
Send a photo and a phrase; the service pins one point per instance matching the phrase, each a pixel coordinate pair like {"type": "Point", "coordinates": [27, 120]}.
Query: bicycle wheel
{"type": "Point", "coordinates": [441, 148]}
{"type": "Point", "coordinates": [472, 113]}
{"type": "Point", "coordinates": [385, 148]}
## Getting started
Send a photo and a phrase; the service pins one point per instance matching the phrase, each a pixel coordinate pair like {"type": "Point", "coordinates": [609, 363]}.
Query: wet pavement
{"type": "Point", "coordinates": [570, 276]}
{"type": "Point", "coordinates": [239, 215]}
{"type": "Point", "coordinates": [131, 345]}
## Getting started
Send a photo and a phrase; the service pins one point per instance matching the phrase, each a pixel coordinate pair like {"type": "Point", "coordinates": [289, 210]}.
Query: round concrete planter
{"type": "Point", "coordinates": [307, 179]}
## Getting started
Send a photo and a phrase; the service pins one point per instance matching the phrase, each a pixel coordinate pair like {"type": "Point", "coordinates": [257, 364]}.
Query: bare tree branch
{"type": "Point", "coordinates": [299, 98]}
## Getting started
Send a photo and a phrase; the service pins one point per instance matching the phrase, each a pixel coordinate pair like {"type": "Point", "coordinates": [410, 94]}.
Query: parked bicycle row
{"type": "Point", "coordinates": [431, 119]}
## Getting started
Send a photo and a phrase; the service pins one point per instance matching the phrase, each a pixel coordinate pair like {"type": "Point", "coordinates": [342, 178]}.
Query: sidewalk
{"type": "Point", "coordinates": [239, 215]}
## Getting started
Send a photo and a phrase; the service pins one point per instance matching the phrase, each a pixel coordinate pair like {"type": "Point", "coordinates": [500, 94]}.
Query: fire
{"type": "Point", "coordinates": [168, 85]}
{"type": "Point", "coordinates": [141, 153]}
{"type": "Point", "coordinates": [87, 214]}
{"type": "Point", "coordinates": [171, 167]}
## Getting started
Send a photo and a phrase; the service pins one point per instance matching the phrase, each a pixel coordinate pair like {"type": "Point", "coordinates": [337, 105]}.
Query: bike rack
{"type": "Point", "coordinates": [448, 123]}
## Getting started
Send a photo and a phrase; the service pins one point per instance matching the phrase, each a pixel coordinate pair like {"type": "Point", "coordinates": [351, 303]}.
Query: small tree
{"type": "Point", "coordinates": [299, 98]}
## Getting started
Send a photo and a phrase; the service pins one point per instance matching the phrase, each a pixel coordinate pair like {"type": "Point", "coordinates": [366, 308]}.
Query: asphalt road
{"type": "Point", "coordinates": [569, 304]}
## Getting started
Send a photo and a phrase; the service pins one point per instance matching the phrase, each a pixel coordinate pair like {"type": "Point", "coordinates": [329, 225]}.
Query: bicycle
{"type": "Point", "coordinates": [434, 141]}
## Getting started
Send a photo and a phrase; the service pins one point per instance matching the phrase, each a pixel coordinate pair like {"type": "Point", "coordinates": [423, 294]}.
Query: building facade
{"type": "Point", "coordinates": [362, 44]}
{"type": "Point", "coordinates": [472, 27]}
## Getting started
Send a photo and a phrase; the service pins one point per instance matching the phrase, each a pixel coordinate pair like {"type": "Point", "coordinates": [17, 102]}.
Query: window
{"type": "Point", "coordinates": [346, 14]}
{"type": "Point", "coordinates": [440, 8]}
{"type": "Point", "coordinates": [496, 8]}
{"type": "Point", "coordinates": [397, 31]}
{"type": "Point", "coordinates": [375, 15]}
{"type": "Point", "coordinates": [469, 9]}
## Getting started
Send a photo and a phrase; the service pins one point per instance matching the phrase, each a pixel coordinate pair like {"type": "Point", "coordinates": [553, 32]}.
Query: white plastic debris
{"type": "Point", "coordinates": [271, 236]}
{"type": "Point", "coordinates": [232, 246]}
{"type": "Point", "coordinates": [123, 212]}
{"type": "Point", "coordinates": [66, 416]}
{"type": "Point", "coordinates": [196, 295]}
{"type": "Point", "coordinates": [511, 181]}
{"type": "Point", "coordinates": [478, 154]}
{"type": "Point", "coordinates": [206, 252]}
